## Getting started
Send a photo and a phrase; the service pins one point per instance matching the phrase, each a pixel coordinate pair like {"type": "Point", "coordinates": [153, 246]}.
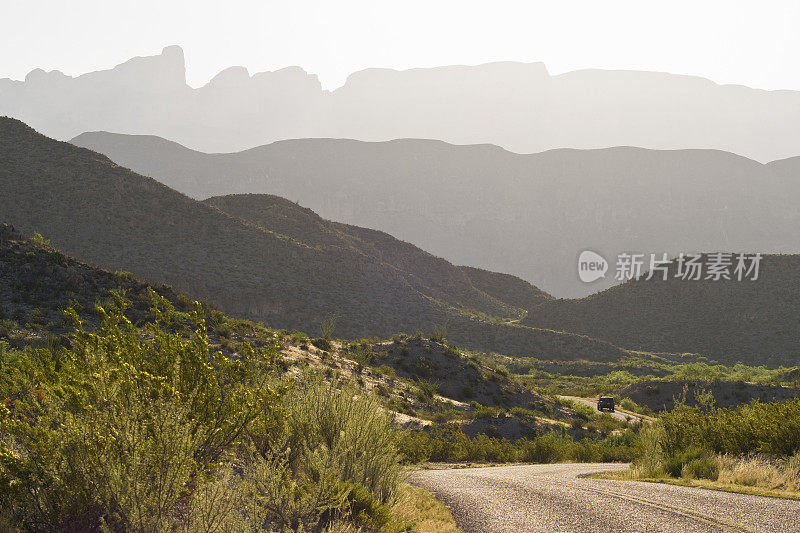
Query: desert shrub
{"type": "Point", "coordinates": [223, 330]}
{"type": "Point", "coordinates": [147, 429]}
{"type": "Point", "coordinates": [124, 275]}
{"type": "Point", "coordinates": [448, 443]}
{"type": "Point", "coordinates": [7, 326]}
{"type": "Point", "coordinates": [414, 446]}
{"type": "Point", "coordinates": [298, 337]}
{"type": "Point", "coordinates": [576, 423]}
{"type": "Point", "coordinates": [427, 389]}
{"type": "Point", "coordinates": [701, 468]}
{"type": "Point", "coordinates": [423, 367]}
{"type": "Point", "coordinates": [675, 462]}
{"type": "Point", "coordinates": [604, 423]}
{"type": "Point", "coordinates": [397, 338]}
{"type": "Point", "coordinates": [446, 415]}
{"type": "Point", "coordinates": [484, 411]}
{"type": "Point", "coordinates": [386, 370]}
{"type": "Point", "coordinates": [114, 430]}
{"type": "Point", "coordinates": [526, 415]}
{"type": "Point", "coordinates": [502, 370]}
{"type": "Point", "coordinates": [38, 240]}
{"type": "Point", "coordinates": [362, 353]}
{"type": "Point", "coordinates": [451, 351]}
{"type": "Point", "coordinates": [328, 326]}
{"type": "Point", "coordinates": [748, 444]}
{"type": "Point", "coordinates": [768, 428]}
{"type": "Point", "coordinates": [439, 334]}
{"type": "Point", "coordinates": [549, 448]}
{"type": "Point", "coordinates": [649, 453]}
{"type": "Point", "coordinates": [630, 405]}
{"type": "Point", "coordinates": [581, 409]}
{"type": "Point", "coordinates": [337, 443]}
{"type": "Point", "coordinates": [323, 344]}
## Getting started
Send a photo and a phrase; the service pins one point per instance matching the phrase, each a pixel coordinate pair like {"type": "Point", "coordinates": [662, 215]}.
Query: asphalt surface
{"type": "Point", "coordinates": [553, 498]}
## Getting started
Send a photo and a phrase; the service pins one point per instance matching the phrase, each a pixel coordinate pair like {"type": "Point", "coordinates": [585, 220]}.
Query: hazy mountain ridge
{"type": "Point", "coordinates": [111, 217]}
{"type": "Point", "coordinates": [519, 106]}
{"type": "Point", "coordinates": [528, 215]}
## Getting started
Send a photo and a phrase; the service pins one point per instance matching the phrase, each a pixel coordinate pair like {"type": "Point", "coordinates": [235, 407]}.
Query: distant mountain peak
{"type": "Point", "coordinates": [230, 76]}
{"type": "Point", "coordinates": [499, 69]}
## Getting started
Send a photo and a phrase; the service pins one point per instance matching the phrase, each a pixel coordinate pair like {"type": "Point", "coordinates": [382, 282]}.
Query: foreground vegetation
{"type": "Point", "coordinates": [449, 444]}
{"type": "Point", "coordinates": [148, 430]}
{"type": "Point", "coordinates": [755, 445]}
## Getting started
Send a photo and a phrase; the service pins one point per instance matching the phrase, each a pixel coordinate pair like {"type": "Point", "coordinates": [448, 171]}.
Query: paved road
{"type": "Point", "coordinates": [618, 414]}
{"type": "Point", "coordinates": [553, 498]}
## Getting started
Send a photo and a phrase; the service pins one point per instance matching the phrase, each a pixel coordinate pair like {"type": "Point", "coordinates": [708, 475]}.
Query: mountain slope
{"type": "Point", "coordinates": [107, 215]}
{"type": "Point", "coordinates": [527, 215]}
{"type": "Point", "coordinates": [519, 106]}
{"type": "Point", "coordinates": [439, 277]}
{"type": "Point", "coordinates": [754, 322]}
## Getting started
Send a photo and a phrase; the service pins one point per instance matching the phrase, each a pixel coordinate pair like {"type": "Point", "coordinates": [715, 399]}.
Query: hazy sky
{"type": "Point", "coordinates": [730, 41]}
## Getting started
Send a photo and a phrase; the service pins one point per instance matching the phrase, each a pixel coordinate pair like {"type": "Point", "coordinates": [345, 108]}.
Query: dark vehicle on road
{"type": "Point", "coordinates": [605, 402]}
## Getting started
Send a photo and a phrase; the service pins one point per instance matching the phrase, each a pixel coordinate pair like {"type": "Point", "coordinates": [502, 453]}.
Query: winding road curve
{"type": "Point", "coordinates": [555, 498]}
{"type": "Point", "coordinates": [620, 414]}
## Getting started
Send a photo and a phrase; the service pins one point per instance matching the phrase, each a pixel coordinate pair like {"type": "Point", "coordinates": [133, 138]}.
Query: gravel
{"type": "Point", "coordinates": [553, 498]}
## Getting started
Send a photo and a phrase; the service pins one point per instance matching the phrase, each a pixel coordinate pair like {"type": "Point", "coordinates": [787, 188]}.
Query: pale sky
{"type": "Point", "coordinates": [746, 42]}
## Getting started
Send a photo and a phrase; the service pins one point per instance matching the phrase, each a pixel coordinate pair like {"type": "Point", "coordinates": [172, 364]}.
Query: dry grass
{"type": "Point", "coordinates": [745, 475]}
{"type": "Point", "coordinates": [759, 472]}
{"type": "Point", "coordinates": [416, 509]}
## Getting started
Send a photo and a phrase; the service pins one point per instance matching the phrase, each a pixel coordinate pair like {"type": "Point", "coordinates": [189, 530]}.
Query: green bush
{"type": "Point", "coordinates": [38, 240]}
{"type": "Point", "coordinates": [448, 443]}
{"type": "Point", "coordinates": [387, 371]}
{"type": "Point", "coordinates": [114, 430]}
{"type": "Point", "coordinates": [439, 334]}
{"type": "Point", "coordinates": [427, 389]}
{"type": "Point", "coordinates": [630, 405]}
{"type": "Point", "coordinates": [323, 344]}
{"type": "Point", "coordinates": [768, 428]}
{"type": "Point", "coordinates": [675, 463]}
{"type": "Point", "coordinates": [683, 442]}
{"type": "Point", "coordinates": [147, 429]}
{"type": "Point", "coordinates": [702, 468]}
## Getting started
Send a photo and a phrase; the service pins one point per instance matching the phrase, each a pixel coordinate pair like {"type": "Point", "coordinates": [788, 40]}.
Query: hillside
{"type": "Point", "coordinates": [111, 217]}
{"type": "Point", "coordinates": [414, 376]}
{"type": "Point", "coordinates": [519, 106]}
{"type": "Point", "coordinates": [288, 218]}
{"type": "Point", "coordinates": [755, 322]}
{"type": "Point", "coordinates": [96, 397]}
{"type": "Point", "coordinates": [528, 215]}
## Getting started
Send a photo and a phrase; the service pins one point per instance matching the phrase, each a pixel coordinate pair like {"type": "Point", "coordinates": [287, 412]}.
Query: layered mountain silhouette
{"type": "Point", "coordinates": [518, 106]}
{"type": "Point", "coordinates": [528, 215]}
{"type": "Point", "coordinates": [267, 258]}
{"type": "Point", "coordinates": [111, 217]}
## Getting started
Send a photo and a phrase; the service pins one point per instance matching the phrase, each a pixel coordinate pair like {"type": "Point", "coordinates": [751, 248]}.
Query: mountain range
{"type": "Point", "coordinates": [267, 258]}
{"type": "Point", "coordinates": [106, 215]}
{"type": "Point", "coordinates": [527, 215]}
{"type": "Point", "coordinates": [518, 106]}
